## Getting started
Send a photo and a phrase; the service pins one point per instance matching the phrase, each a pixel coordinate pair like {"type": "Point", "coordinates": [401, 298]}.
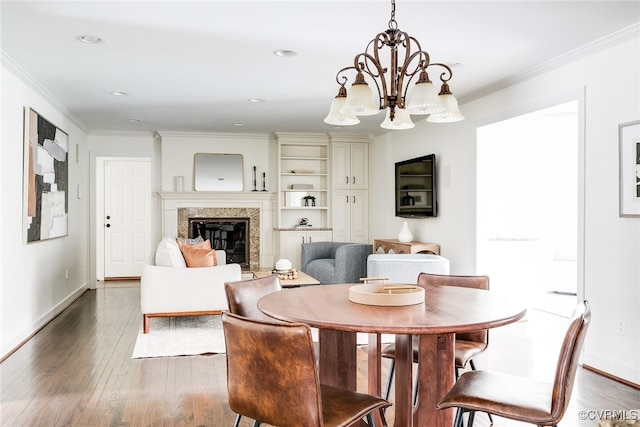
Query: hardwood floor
{"type": "Point", "coordinates": [78, 371]}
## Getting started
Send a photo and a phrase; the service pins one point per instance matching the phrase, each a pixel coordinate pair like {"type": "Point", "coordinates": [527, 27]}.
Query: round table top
{"type": "Point", "coordinates": [447, 309]}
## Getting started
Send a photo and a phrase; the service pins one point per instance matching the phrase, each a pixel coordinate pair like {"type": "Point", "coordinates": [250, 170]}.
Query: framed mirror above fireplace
{"type": "Point", "coordinates": [218, 172]}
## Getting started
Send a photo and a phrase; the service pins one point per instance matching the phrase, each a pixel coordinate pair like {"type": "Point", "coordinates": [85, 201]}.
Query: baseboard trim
{"type": "Point", "coordinates": [611, 377]}
{"type": "Point", "coordinates": [44, 321]}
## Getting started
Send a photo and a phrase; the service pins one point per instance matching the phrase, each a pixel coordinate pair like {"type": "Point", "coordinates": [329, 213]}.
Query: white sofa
{"type": "Point", "coordinates": [172, 289]}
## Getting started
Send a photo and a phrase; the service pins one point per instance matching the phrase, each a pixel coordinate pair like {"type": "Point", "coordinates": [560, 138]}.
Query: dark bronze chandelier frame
{"type": "Point", "coordinates": [413, 64]}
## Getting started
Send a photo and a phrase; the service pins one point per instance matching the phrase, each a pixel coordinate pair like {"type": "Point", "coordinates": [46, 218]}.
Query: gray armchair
{"type": "Point", "coordinates": [335, 262]}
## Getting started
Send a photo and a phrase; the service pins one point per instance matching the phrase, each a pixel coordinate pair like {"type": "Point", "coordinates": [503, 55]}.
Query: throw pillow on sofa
{"type": "Point", "coordinates": [199, 254]}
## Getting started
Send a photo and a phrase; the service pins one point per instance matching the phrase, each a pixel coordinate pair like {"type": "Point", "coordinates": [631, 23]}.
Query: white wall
{"type": "Point", "coordinates": [609, 78]}
{"type": "Point", "coordinates": [178, 150]}
{"type": "Point", "coordinates": [33, 285]}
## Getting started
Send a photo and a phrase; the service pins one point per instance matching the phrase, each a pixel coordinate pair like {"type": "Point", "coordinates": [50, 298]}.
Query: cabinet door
{"type": "Point", "coordinates": [319, 236]}
{"type": "Point", "coordinates": [359, 216]}
{"type": "Point", "coordinates": [290, 244]}
{"type": "Point", "coordinates": [341, 216]}
{"type": "Point", "coordinates": [359, 166]}
{"type": "Point", "coordinates": [341, 159]}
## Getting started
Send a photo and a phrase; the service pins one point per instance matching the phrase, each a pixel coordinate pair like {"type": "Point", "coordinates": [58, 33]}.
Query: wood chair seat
{"type": "Point", "coordinates": [508, 396]}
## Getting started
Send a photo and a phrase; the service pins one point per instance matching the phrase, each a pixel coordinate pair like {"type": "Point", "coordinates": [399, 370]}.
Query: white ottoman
{"type": "Point", "coordinates": [405, 268]}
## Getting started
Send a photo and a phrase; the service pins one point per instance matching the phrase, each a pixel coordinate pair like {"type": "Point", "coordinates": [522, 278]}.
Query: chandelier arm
{"type": "Point", "coordinates": [444, 73]}
{"type": "Point", "coordinates": [344, 78]}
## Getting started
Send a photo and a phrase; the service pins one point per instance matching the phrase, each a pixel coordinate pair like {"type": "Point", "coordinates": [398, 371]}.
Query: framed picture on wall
{"type": "Point", "coordinates": [419, 197]}
{"type": "Point", "coordinates": [46, 178]}
{"type": "Point", "coordinates": [629, 136]}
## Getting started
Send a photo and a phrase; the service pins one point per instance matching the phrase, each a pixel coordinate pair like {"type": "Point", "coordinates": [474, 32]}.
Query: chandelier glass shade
{"type": "Point", "coordinates": [394, 91]}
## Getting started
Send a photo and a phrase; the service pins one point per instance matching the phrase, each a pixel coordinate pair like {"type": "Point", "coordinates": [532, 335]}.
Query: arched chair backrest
{"type": "Point", "coordinates": [243, 295]}
{"type": "Point", "coordinates": [568, 360]}
{"type": "Point", "coordinates": [476, 282]}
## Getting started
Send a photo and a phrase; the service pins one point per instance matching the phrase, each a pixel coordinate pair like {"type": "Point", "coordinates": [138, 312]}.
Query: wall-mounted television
{"type": "Point", "coordinates": [416, 187]}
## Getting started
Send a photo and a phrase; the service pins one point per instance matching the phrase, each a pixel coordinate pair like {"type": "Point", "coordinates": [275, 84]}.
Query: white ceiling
{"type": "Point", "coordinates": [192, 66]}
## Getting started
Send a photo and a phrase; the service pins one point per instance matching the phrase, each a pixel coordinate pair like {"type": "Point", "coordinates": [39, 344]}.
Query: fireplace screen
{"type": "Point", "coordinates": [228, 234]}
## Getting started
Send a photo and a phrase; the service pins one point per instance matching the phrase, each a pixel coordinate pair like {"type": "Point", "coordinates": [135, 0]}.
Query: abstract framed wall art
{"type": "Point", "coordinates": [629, 136]}
{"type": "Point", "coordinates": [46, 178]}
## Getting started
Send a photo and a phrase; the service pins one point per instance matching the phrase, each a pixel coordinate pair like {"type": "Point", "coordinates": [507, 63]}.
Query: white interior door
{"type": "Point", "coordinates": [126, 216]}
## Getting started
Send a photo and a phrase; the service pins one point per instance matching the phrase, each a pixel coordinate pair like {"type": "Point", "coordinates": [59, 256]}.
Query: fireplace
{"type": "Point", "coordinates": [228, 234]}
{"type": "Point", "coordinates": [230, 220]}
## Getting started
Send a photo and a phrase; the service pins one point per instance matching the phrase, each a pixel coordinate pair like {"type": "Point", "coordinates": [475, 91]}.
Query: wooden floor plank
{"type": "Point", "coordinates": [78, 371]}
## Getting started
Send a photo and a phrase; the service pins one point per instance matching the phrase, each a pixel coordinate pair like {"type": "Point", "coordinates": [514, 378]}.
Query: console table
{"type": "Point", "coordinates": [399, 247]}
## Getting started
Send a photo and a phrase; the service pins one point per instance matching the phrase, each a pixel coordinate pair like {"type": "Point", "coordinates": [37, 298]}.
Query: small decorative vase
{"type": "Point", "coordinates": [405, 235]}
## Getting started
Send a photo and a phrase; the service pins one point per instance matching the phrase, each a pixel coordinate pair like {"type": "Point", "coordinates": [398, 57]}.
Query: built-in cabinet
{"type": "Point", "coordinates": [323, 195]}
{"type": "Point", "coordinates": [290, 242]}
{"type": "Point", "coordinates": [350, 177]}
{"type": "Point", "coordinates": [350, 163]}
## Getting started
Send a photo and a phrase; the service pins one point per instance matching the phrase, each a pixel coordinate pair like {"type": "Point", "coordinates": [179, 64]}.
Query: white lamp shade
{"type": "Point", "coordinates": [424, 99]}
{"type": "Point", "coordinates": [450, 114]}
{"type": "Point", "coordinates": [336, 115]}
{"type": "Point", "coordinates": [360, 101]}
{"type": "Point", "coordinates": [401, 120]}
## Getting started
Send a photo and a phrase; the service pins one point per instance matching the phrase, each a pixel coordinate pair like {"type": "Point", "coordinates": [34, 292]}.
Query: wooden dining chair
{"type": "Point", "coordinates": [467, 345]}
{"type": "Point", "coordinates": [272, 376]}
{"type": "Point", "coordinates": [519, 398]}
{"type": "Point", "coordinates": [242, 298]}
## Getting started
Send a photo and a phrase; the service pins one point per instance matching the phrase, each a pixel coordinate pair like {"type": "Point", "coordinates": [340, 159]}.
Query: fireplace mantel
{"type": "Point", "coordinates": [263, 200]}
{"type": "Point", "coordinates": [218, 195]}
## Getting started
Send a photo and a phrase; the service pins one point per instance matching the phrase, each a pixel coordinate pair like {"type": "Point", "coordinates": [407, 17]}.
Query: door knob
{"type": "Point", "coordinates": [108, 225]}
{"type": "Point", "coordinates": [108, 216]}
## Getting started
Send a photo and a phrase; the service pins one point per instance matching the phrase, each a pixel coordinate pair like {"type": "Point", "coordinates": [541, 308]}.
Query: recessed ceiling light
{"type": "Point", "coordinates": [132, 120]}
{"type": "Point", "coordinates": [256, 100]}
{"type": "Point", "coordinates": [284, 52]}
{"type": "Point", "coordinates": [239, 124]}
{"type": "Point", "coordinates": [120, 93]}
{"type": "Point", "coordinates": [88, 39]}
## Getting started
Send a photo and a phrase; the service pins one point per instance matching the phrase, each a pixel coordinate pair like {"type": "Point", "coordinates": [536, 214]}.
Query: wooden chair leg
{"type": "Point", "coordinates": [146, 320]}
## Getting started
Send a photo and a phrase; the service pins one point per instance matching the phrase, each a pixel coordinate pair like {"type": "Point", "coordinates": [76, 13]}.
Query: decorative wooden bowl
{"type": "Point", "coordinates": [386, 294]}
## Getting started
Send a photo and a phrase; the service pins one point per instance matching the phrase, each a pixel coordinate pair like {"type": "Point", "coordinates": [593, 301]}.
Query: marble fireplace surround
{"type": "Point", "coordinates": [179, 207]}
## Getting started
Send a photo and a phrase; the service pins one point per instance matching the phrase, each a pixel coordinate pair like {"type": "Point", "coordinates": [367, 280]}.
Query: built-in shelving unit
{"type": "Point", "coordinates": [303, 180]}
{"type": "Point", "coordinates": [303, 193]}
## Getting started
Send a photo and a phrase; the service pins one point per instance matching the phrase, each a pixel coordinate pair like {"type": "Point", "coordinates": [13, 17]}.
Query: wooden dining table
{"type": "Point", "coordinates": [447, 310]}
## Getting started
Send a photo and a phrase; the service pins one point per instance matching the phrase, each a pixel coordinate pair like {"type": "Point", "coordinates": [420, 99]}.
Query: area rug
{"type": "Point", "coordinates": [180, 336]}
{"type": "Point", "coordinates": [194, 335]}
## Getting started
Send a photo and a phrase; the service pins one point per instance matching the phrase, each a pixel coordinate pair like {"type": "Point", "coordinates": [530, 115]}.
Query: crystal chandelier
{"type": "Point", "coordinates": [408, 61]}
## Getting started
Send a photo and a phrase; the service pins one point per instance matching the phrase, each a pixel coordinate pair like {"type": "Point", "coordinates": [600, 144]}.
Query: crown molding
{"type": "Point", "coordinates": [612, 39]}
{"type": "Point", "coordinates": [30, 81]}
{"type": "Point", "coordinates": [261, 136]}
